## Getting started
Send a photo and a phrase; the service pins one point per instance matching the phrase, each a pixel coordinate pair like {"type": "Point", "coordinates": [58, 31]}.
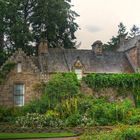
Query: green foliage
{"type": "Point", "coordinates": [36, 106]}
{"type": "Point", "coordinates": [115, 41]}
{"type": "Point", "coordinates": [60, 87]}
{"type": "Point", "coordinates": [58, 94]}
{"type": "Point", "coordinates": [3, 58]}
{"type": "Point", "coordinates": [120, 133]}
{"type": "Point", "coordinates": [26, 22]}
{"type": "Point", "coordinates": [74, 120]}
{"type": "Point", "coordinates": [98, 81]}
{"type": "Point", "coordinates": [101, 112]}
{"type": "Point", "coordinates": [35, 120]}
{"type": "Point", "coordinates": [9, 114]}
{"type": "Point", "coordinates": [129, 83]}
{"type": "Point", "coordinates": [67, 107]}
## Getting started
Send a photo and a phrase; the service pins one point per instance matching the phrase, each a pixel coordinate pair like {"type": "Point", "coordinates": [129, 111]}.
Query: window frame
{"type": "Point", "coordinates": [79, 74]}
{"type": "Point", "coordinates": [19, 95]}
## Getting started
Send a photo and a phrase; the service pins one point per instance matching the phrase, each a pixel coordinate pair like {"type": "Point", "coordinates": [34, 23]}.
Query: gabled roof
{"type": "Point", "coordinates": [131, 43]}
{"type": "Point", "coordinates": [19, 56]}
{"type": "Point", "coordinates": [62, 60]}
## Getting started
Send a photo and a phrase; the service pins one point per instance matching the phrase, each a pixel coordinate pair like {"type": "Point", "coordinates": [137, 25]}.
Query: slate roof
{"type": "Point", "coordinates": [129, 44]}
{"type": "Point", "coordinates": [62, 60]}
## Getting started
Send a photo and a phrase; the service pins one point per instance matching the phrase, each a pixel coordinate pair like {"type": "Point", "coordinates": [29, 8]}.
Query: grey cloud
{"type": "Point", "coordinates": [93, 29]}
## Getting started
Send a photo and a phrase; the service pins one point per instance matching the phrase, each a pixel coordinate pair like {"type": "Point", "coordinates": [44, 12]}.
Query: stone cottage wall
{"type": "Point", "coordinates": [133, 55]}
{"type": "Point", "coordinates": [27, 77]}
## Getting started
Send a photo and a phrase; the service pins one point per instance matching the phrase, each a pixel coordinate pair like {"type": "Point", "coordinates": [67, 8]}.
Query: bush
{"type": "Point", "coordinates": [74, 120]}
{"type": "Point", "coordinates": [35, 120]}
{"type": "Point", "coordinates": [61, 86]}
{"type": "Point", "coordinates": [9, 114]}
{"type": "Point", "coordinates": [120, 133]}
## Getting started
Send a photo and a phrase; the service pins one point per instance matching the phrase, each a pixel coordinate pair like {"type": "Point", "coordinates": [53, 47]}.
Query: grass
{"type": "Point", "coordinates": [35, 135]}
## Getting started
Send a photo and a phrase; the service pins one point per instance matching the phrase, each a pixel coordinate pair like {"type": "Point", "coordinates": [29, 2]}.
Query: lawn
{"type": "Point", "coordinates": [35, 135]}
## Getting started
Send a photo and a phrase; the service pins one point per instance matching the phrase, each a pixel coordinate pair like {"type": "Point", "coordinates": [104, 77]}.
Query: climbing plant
{"type": "Point", "coordinates": [121, 82]}
{"type": "Point", "coordinates": [5, 70]}
{"type": "Point", "coordinates": [98, 81]}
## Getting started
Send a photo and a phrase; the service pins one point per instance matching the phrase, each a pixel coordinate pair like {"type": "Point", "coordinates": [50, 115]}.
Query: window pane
{"type": "Point", "coordinates": [19, 89]}
{"type": "Point", "coordinates": [19, 100]}
{"type": "Point", "coordinates": [78, 73]}
{"type": "Point", "coordinates": [19, 95]}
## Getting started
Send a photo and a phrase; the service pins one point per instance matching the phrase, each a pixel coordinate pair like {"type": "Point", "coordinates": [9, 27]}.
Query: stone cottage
{"type": "Point", "coordinates": [18, 87]}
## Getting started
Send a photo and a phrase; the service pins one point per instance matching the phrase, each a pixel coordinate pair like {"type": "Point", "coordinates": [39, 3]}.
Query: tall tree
{"type": "Point", "coordinates": [122, 34]}
{"type": "Point", "coordinates": [54, 20]}
{"type": "Point", "coordinates": [115, 41]}
{"type": "Point", "coordinates": [3, 11]}
{"type": "Point", "coordinates": [26, 22]}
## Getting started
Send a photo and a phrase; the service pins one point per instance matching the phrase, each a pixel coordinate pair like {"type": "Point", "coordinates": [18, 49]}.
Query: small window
{"type": "Point", "coordinates": [19, 95]}
{"type": "Point", "coordinates": [78, 73]}
{"type": "Point", "coordinates": [19, 67]}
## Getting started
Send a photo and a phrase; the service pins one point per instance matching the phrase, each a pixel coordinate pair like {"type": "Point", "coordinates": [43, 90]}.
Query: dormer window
{"type": "Point", "coordinates": [19, 67]}
{"type": "Point", "coordinates": [79, 73]}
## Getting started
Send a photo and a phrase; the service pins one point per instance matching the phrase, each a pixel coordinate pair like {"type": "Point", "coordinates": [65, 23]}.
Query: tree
{"type": "Point", "coordinates": [26, 22]}
{"type": "Point", "coordinates": [3, 11]}
{"type": "Point", "coordinates": [122, 34]}
{"type": "Point", "coordinates": [134, 31]}
{"type": "Point", "coordinates": [115, 41]}
{"type": "Point", "coordinates": [54, 20]}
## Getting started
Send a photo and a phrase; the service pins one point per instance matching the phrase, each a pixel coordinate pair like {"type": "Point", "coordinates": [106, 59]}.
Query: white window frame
{"type": "Point", "coordinates": [16, 94]}
{"type": "Point", "coordinates": [79, 73]}
{"type": "Point", "coordinates": [19, 67]}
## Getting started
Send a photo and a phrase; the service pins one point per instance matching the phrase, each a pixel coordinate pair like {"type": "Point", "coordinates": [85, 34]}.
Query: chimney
{"type": "Point", "coordinates": [43, 47]}
{"type": "Point", "coordinates": [97, 47]}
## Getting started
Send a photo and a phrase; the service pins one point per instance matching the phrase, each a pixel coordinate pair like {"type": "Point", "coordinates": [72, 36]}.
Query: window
{"type": "Point", "coordinates": [19, 67]}
{"type": "Point", "coordinates": [19, 95]}
{"type": "Point", "coordinates": [78, 73]}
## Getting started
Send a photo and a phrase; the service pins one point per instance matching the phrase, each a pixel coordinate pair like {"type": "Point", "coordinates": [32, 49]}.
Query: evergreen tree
{"type": "Point", "coordinates": [54, 20]}
{"type": "Point", "coordinates": [122, 34]}
{"type": "Point", "coordinates": [134, 31]}
{"type": "Point", "coordinates": [26, 22]}
{"type": "Point", "coordinates": [115, 41]}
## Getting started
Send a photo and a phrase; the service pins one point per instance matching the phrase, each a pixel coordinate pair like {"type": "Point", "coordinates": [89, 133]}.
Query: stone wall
{"type": "Point", "coordinates": [133, 55]}
{"type": "Point", "coordinates": [29, 76]}
{"type": "Point", "coordinates": [109, 93]}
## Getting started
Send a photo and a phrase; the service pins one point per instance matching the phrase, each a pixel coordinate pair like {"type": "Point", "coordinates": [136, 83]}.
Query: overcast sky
{"type": "Point", "coordinates": [99, 19]}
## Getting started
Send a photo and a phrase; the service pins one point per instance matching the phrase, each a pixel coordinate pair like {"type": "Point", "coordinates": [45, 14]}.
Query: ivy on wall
{"type": "Point", "coordinates": [129, 83]}
{"type": "Point", "coordinates": [98, 81]}
{"type": "Point", "coordinates": [5, 70]}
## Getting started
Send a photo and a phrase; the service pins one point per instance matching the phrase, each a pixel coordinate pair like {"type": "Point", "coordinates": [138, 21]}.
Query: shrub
{"type": "Point", "coordinates": [74, 120]}
{"type": "Point", "coordinates": [120, 133]}
{"type": "Point", "coordinates": [61, 86]}
{"type": "Point", "coordinates": [9, 114]}
{"type": "Point", "coordinates": [35, 120]}
{"type": "Point", "coordinates": [31, 120]}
